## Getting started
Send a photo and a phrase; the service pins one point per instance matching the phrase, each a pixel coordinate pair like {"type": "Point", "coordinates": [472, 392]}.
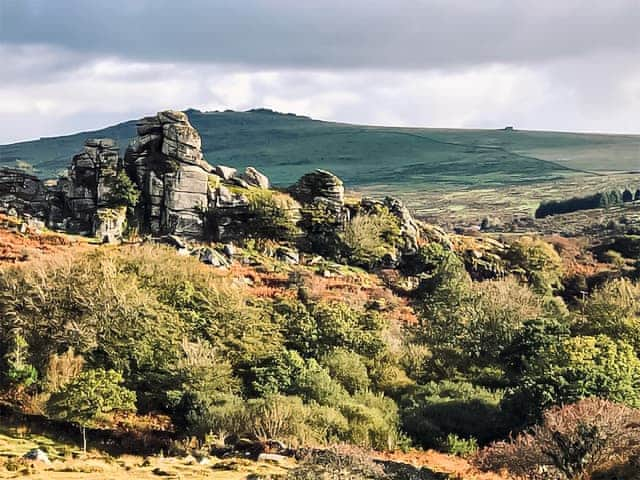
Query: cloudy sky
{"type": "Point", "coordinates": [71, 65]}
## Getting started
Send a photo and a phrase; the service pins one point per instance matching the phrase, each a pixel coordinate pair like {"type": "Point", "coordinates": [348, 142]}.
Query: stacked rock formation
{"type": "Point", "coordinates": [22, 193]}
{"type": "Point", "coordinates": [319, 185]}
{"type": "Point", "coordinates": [88, 185]}
{"type": "Point", "coordinates": [166, 163]}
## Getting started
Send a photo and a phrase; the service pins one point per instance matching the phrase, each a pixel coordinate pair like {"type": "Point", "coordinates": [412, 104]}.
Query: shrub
{"type": "Point", "coordinates": [19, 371]}
{"type": "Point", "coordinates": [347, 368]}
{"type": "Point", "coordinates": [315, 384]}
{"type": "Point", "coordinates": [216, 414]}
{"type": "Point", "coordinates": [435, 410]}
{"type": "Point", "coordinates": [461, 447]}
{"type": "Point", "coordinates": [123, 192]}
{"type": "Point", "coordinates": [495, 311]}
{"type": "Point", "coordinates": [274, 215]}
{"type": "Point", "coordinates": [62, 369]}
{"type": "Point", "coordinates": [572, 442]}
{"type": "Point", "coordinates": [538, 262]}
{"type": "Point", "coordinates": [373, 421]}
{"type": "Point", "coordinates": [275, 417]}
{"type": "Point", "coordinates": [321, 222]}
{"type": "Point", "coordinates": [371, 238]}
{"type": "Point", "coordinates": [276, 373]}
{"type": "Point", "coordinates": [573, 369]}
{"type": "Point", "coordinates": [315, 328]}
{"type": "Point", "coordinates": [613, 309]}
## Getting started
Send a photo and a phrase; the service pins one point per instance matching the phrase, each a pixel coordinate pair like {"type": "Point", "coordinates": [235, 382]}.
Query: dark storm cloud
{"type": "Point", "coordinates": [395, 34]}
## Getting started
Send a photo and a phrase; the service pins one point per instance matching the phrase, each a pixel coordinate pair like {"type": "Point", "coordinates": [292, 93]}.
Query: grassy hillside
{"type": "Point", "coordinates": [286, 146]}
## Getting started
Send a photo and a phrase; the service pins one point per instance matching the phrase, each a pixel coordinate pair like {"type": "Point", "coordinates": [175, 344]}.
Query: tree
{"type": "Point", "coordinates": [538, 262]}
{"type": "Point", "coordinates": [569, 370]}
{"type": "Point", "coordinates": [613, 309]}
{"type": "Point", "coordinates": [91, 395]}
{"type": "Point", "coordinates": [19, 371]}
{"type": "Point", "coordinates": [123, 193]}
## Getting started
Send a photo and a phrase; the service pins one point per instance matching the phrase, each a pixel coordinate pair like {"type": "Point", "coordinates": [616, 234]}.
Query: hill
{"type": "Point", "coordinates": [285, 146]}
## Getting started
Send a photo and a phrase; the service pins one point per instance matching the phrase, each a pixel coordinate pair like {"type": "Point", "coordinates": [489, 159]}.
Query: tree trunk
{"type": "Point", "coordinates": [84, 439]}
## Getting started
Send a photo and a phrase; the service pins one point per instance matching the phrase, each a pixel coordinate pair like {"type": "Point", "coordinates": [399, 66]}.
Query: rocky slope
{"type": "Point", "coordinates": [163, 185]}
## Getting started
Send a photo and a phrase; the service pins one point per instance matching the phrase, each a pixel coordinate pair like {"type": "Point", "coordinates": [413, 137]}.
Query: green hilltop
{"type": "Point", "coordinates": [285, 146]}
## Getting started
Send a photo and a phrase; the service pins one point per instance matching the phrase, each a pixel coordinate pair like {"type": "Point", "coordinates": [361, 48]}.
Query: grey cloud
{"type": "Point", "coordinates": [327, 33]}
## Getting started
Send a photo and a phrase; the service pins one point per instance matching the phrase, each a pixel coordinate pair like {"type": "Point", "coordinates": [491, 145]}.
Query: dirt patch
{"type": "Point", "coordinates": [20, 243]}
{"type": "Point", "coordinates": [456, 467]}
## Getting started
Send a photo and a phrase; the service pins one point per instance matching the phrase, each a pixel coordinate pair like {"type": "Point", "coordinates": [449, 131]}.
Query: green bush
{"type": "Point", "coordinates": [216, 414]}
{"type": "Point", "coordinates": [314, 328]}
{"type": "Point", "coordinates": [537, 262]}
{"type": "Point", "coordinates": [613, 309]}
{"type": "Point", "coordinates": [274, 215]}
{"type": "Point", "coordinates": [461, 447]}
{"type": "Point", "coordinates": [321, 223]}
{"type": "Point", "coordinates": [347, 368]}
{"type": "Point", "coordinates": [435, 410]}
{"type": "Point", "coordinates": [123, 192]}
{"type": "Point", "coordinates": [373, 421]}
{"type": "Point", "coordinates": [370, 239]}
{"type": "Point", "coordinates": [571, 369]}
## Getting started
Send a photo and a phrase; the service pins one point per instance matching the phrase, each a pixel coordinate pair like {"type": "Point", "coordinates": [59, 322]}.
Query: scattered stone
{"type": "Point", "coordinates": [37, 455]}
{"type": "Point", "coordinates": [211, 257]}
{"type": "Point", "coordinates": [240, 182]}
{"type": "Point", "coordinates": [272, 458]}
{"type": "Point", "coordinates": [288, 255]}
{"type": "Point", "coordinates": [255, 179]}
{"type": "Point", "coordinates": [175, 241]}
{"type": "Point", "coordinates": [229, 250]}
{"type": "Point", "coordinates": [226, 173]}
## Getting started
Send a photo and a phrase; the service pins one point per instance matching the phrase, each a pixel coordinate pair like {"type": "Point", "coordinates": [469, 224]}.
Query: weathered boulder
{"type": "Point", "coordinates": [37, 455]}
{"type": "Point", "coordinates": [211, 257]}
{"type": "Point", "coordinates": [226, 173]}
{"type": "Point", "coordinates": [167, 164]}
{"type": "Point", "coordinates": [288, 255]}
{"type": "Point", "coordinates": [409, 229]}
{"type": "Point", "coordinates": [318, 185]}
{"type": "Point", "coordinates": [255, 179]}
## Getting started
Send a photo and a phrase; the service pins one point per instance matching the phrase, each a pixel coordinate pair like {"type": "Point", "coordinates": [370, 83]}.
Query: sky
{"type": "Point", "coordinates": [74, 65]}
